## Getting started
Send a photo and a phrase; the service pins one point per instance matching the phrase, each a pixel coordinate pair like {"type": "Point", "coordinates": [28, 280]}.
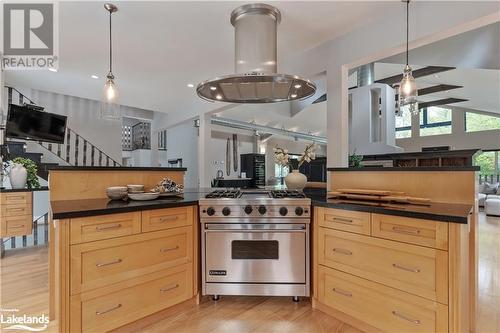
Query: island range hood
{"type": "Point", "coordinates": [257, 80]}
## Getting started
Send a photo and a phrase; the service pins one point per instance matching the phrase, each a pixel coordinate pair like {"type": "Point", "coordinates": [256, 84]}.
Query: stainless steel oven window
{"type": "Point", "coordinates": [255, 249]}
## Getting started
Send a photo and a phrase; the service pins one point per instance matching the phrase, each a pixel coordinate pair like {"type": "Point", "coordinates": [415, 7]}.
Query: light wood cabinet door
{"type": "Point", "coordinates": [89, 229]}
{"type": "Point", "coordinates": [15, 210]}
{"type": "Point", "coordinates": [346, 220]}
{"type": "Point", "coordinates": [162, 219]}
{"type": "Point", "coordinates": [415, 269]}
{"type": "Point", "coordinates": [102, 263]}
{"type": "Point", "coordinates": [409, 230]}
{"type": "Point", "coordinates": [103, 311]}
{"type": "Point", "coordinates": [385, 308]}
{"type": "Point", "coordinates": [15, 198]}
{"type": "Point", "coordinates": [16, 225]}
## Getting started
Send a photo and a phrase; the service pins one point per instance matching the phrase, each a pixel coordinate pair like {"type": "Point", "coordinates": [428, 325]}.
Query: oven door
{"type": "Point", "coordinates": [255, 253]}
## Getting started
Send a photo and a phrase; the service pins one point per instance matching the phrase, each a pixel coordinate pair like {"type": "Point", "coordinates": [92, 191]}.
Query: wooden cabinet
{"type": "Point", "coordinates": [16, 214]}
{"type": "Point", "coordinates": [386, 273]}
{"type": "Point", "coordinates": [114, 269]}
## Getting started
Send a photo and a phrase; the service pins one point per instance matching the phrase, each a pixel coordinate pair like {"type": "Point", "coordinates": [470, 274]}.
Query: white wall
{"type": "Point", "coordinates": [182, 142]}
{"type": "Point", "coordinates": [458, 139]}
{"type": "Point", "coordinates": [430, 21]}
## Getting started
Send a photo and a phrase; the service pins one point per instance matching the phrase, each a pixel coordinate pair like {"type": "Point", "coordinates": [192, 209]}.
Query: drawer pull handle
{"type": "Point", "coordinates": [406, 231]}
{"type": "Point", "coordinates": [342, 292]}
{"type": "Point", "coordinates": [168, 218]}
{"type": "Point", "coordinates": [16, 209]}
{"type": "Point", "coordinates": [164, 290]}
{"type": "Point", "coordinates": [343, 251]}
{"type": "Point", "coordinates": [111, 227]}
{"type": "Point", "coordinates": [108, 310]}
{"type": "Point", "coordinates": [117, 261]}
{"type": "Point", "coordinates": [16, 226]}
{"type": "Point", "coordinates": [15, 198]}
{"type": "Point", "coordinates": [408, 269]}
{"type": "Point", "coordinates": [341, 220]}
{"type": "Point", "coordinates": [397, 314]}
{"type": "Point", "coordinates": [168, 249]}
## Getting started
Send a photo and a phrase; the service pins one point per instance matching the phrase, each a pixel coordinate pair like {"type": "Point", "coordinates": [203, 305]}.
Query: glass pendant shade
{"type": "Point", "coordinates": [408, 92]}
{"type": "Point", "coordinates": [110, 108]}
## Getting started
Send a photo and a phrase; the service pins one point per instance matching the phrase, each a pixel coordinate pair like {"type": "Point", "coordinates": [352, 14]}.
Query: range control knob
{"type": "Point", "coordinates": [248, 209]}
{"type": "Point", "coordinates": [226, 211]}
{"type": "Point", "coordinates": [210, 211]}
{"type": "Point", "coordinates": [283, 211]}
{"type": "Point", "coordinates": [262, 210]}
{"type": "Point", "coordinates": [299, 211]}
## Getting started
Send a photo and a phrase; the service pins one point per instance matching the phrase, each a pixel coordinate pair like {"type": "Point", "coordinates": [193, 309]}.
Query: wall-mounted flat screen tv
{"type": "Point", "coordinates": [26, 123]}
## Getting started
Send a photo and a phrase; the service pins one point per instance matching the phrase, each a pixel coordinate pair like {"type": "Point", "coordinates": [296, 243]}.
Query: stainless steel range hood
{"type": "Point", "coordinates": [256, 80]}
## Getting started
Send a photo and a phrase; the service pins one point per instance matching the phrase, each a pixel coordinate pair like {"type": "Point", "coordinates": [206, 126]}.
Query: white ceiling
{"type": "Point", "coordinates": [161, 46]}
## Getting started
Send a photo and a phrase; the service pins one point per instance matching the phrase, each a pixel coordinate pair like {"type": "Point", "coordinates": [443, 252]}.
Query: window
{"type": "Point", "coordinates": [403, 126]}
{"type": "Point", "coordinates": [435, 121]}
{"type": "Point", "coordinates": [475, 122]}
{"type": "Point", "coordinates": [489, 161]}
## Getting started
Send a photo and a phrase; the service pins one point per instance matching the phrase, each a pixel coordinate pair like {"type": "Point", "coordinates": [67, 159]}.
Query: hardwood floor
{"type": "Point", "coordinates": [24, 285]}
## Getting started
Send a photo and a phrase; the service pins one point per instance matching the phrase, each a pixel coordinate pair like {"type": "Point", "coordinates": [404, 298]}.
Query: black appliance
{"type": "Point", "coordinates": [27, 123]}
{"type": "Point", "coordinates": [254, 165]}
{"type": "Point", "coordinates": [315, 170]}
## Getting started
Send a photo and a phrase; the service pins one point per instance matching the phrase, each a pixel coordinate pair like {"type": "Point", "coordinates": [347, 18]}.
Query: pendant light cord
{"type": "Point", "coordinates": [407, 28]}
{"type": "Point", "coordinates": [110, 46]}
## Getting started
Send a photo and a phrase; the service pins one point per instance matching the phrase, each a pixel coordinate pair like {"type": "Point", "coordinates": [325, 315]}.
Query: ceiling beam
{"type": "Point", "coordinates": [437, 88]}
{"type": "Point", "coordinates": [426, 71]}
{"type": "Point", "coordinates": [444, 101]}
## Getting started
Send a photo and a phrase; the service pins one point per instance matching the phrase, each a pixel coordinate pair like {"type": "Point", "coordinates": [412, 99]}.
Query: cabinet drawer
{"type": "Point", "coordinates": [106, 262]}
{"type": "Point", "coordinates": [161, 219]}
{"type": "Point", "coordinates": [16, 225]}
{"type": "Point", "coordinates": [89, 229]}
{"type": "Point", "coordinates": [385, 308]}
{"type": "Point", "coordinates": [418, 270]}
{"type": "Point", "coordinates": [117, 308]}
{"type": "Point", "coordinates": [15, 198]}
{"type": "Point", "coordinates": [415, 231]}
{"type": "Point", "coordinates": [15, 210]}
{"type": "Point", "coordinates": [358, 222]}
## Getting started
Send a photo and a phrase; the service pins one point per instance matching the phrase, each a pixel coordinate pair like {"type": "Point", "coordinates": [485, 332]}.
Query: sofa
{"type": "Point", "coordinates": [489, 198]}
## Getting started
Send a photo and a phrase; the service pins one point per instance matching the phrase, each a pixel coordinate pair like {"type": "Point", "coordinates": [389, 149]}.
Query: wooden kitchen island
{"type": "Point", "coordinates": [385, 267]}
{"type": "Point", "coordinates": [113, 263]}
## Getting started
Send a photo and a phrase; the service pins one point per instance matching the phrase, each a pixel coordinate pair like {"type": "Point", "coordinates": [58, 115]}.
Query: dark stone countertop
{"type": "Point", "coordinates": [65, 209]}
{"type": "Point", "coordinates": [110, 168]}
{"type": "Point", "coordinates": [432, 169]}
{"type": "Point", "coordinates": [9, 190]}
{"type": "Point", "coordinates": [457, 213]}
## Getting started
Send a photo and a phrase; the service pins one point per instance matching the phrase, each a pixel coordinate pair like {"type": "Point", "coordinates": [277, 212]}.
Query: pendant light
{"type": "Point", "coordinates": [110, 108]}
{"type": "Point", "coordinates": [408, 87]}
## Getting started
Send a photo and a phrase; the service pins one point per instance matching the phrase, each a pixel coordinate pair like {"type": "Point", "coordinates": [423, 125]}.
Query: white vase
{"type": "Point", "coordinates": [18, 176]}
{"type": "Point", "coordinates": [295, 180]}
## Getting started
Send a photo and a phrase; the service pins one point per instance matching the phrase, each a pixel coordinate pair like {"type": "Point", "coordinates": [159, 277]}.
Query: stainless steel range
{"type": "Point", "coordinates": [255, 242]}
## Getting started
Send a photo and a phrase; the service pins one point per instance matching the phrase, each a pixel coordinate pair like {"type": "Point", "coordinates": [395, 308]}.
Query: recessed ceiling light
{"type": "Point", "coordinates": [436, 76]}
{"type": "Point", "coordinates": [94, 76]}
{"type": "Point", "coordinates": [52, 69]}
{"type": "Point", "coordinates": [218, 96]}
{"type": "Point", "coordinates": [190, 85]}
{"type": "Point", "coordinates": [297, 86]}
{"type": "Point", "coordinates": [293, 95]}
{"type": "Point", "coordinates": [213, 88]}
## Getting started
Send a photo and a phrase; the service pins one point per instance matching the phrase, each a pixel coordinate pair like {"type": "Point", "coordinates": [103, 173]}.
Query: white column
{"type": "Point", "coordinates": [203, 142]}
{"type": "Point", "coordinates": [337, 117]}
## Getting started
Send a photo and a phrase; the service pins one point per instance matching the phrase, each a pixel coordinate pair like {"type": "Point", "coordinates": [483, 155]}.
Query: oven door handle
{"type": "Point", "coordinates": [255, 228]}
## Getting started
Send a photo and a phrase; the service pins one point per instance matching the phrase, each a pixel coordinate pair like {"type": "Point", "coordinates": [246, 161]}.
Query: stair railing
{"type": "Point", "coordinates": [76, 149]}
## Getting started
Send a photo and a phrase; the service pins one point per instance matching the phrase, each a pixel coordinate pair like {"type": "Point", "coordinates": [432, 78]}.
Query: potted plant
{"type": "Point", "coordinates": [22, 173]}
{"type": "Point", "coordinates": [295, 179]}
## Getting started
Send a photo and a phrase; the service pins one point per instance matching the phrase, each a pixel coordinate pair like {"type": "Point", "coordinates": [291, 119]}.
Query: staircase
{"type": "Point", "coordinates": [75, 151]}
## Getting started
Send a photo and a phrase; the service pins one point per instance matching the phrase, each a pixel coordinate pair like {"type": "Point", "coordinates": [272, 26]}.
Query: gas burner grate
{"type": "Point", "coordinates": [223, 194]}
{"type": "Point", "coordinates": [280, 194]}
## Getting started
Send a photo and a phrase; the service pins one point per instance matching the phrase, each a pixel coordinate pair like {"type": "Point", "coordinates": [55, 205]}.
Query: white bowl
{"type": "Point", "coordinates": [143, 196]}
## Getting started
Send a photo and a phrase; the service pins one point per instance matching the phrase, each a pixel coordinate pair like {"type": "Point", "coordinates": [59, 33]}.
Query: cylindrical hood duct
{"type": "Point", "coordinates": [255, 38]}
{"type": "Point", "coordinates": [256, 79]}
{"type": "Point", "coordinates": [366, 75]}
